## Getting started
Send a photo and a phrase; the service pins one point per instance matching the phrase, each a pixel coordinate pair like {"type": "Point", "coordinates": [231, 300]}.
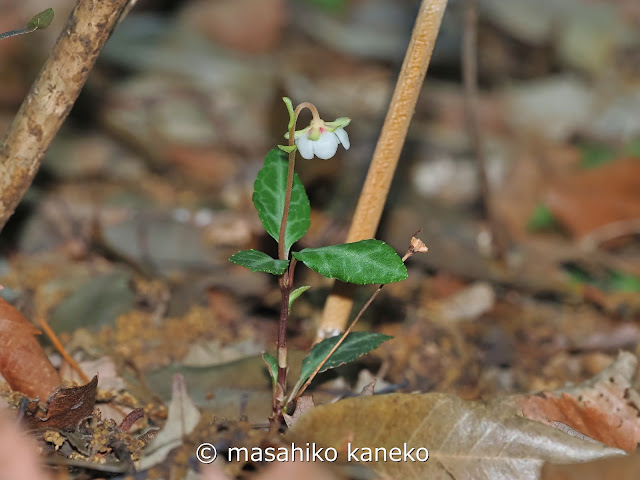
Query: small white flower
{"type": "Point", "coordinates": [322, 139]}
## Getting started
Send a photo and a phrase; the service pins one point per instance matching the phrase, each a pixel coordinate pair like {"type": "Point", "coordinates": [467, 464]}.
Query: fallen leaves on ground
{"type": "Point", "coordinates": [23, 363]}
{"type": "Point", "coordinates": [597, 197]}
{"type": "Point", "coordinates": [620, 468]}
{"type": "Point", "coordinates": [182, 419]}
{"type": "Point", "coordinates": [605, 408]}
{"type": "Point", "coordinates": [464, 439]}
{"type": "Point", "coordinates": [64, 409]}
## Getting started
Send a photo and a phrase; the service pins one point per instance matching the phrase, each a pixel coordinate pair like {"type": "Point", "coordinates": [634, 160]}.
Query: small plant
{"type": "Point", "coordinates": [284, 210]}
{"type": "Point", "coordinates": [39, 22]}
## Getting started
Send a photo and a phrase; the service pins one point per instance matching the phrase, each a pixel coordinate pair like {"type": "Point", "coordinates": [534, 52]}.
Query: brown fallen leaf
{"type": "Point", "coordinates": [594, 198]}
{"type": "Point", "coordinates": [594, 420]}
{"type": "Point", "coordinates": [258, 32]}
{"type": "Point", "coordinates": [64, 409]}
{"type": "Point", "coordinates": [605, 408]}
{"type": "Point", "coordinates": [23, 363]}
{"type": "Point", "coordinates": [464, 439]}
{"type": "Point", "coordinates": [620, 468]}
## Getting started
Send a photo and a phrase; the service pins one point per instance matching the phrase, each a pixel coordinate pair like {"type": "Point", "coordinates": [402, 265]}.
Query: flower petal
{"type": "Point", "coordinates": [343, 137]}
{"type": "Point", "coordinates": [305, 147]}
{"type": "Point", "coordinates": [326, 146]}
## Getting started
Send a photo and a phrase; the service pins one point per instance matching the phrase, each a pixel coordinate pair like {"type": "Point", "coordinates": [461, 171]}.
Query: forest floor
{"type": "Point", "coordinates": [121, 245]}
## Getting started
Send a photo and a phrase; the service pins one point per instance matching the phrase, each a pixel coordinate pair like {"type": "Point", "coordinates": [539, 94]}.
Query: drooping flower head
{"type": "Point", "coordinates": [320, 138]}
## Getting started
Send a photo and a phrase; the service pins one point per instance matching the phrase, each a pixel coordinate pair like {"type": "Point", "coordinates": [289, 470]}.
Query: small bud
{"type": "Point", "coordinates": [418, 245]}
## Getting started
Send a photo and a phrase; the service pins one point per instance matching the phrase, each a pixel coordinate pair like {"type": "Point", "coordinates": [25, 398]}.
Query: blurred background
{"type": "Point", "coordinates": [150, 180]}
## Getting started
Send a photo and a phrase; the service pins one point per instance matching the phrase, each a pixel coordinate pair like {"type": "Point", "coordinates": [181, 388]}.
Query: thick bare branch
{"type": "Point", "coordinates": [52, 96]}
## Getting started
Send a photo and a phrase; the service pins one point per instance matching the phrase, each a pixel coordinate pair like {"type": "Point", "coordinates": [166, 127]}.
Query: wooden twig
{"type": "Point", "coordinates": [51, 97]}
{"type": "Point", "coordinates": [61, 350]}
{"type": "Point", "coordinates": [385, 158]}
{"type": "Point", "coordinates": [470, 77]}
{"type": "Point", "coordinates": [608, 232]}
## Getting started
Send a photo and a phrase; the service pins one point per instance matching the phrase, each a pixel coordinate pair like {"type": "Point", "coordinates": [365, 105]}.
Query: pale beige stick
{"type": "Point", "coordinates": [51, 97]}
{"type": "Point", "coordinates": [385, 158]}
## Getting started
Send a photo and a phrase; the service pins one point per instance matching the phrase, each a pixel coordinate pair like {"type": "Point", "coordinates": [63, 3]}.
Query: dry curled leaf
{"type": "Point", "coordinates": [64, 409]}
{"type": "Point", "coordinates": [605, 408]}
{"type": "Point", "coordinates": [23, 363]}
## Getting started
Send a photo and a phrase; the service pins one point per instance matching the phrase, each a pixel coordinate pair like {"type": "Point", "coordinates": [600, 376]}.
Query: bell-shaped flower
{"type": "Point", "coordinates": [322, 138]}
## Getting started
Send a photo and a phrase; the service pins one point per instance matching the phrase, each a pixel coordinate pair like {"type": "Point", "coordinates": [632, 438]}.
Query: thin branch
{"type": "Point", "coordinates": [51, 97]}
{"type": "Point", "coordinates": [470, 78]}
{"type": "Point", "coordinates": [61, 350]}
{"type": "Point", "coordinates": [385, 158]}
{"type": "Point", "coordinates": [339, 342]}
{"type": "Point", "coordinates": [608, 232]}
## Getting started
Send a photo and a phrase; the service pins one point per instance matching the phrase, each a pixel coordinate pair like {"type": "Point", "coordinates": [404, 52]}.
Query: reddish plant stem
{"type": "Point", "coordinates": [282, 253]}
{"type": "Point", "coordinates": [286, 279]}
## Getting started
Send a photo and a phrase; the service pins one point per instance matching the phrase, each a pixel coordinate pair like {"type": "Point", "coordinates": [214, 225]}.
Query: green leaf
{"type": "Point", "coordinates": [259, 262]}
{"type": "Point", "coordinates": [268, 198]}
{"type": "Point", "coordinates": [595, 155]}
{"type": "Point", "coordinates": [633, 148]}
{"type": "Point", "coordinates": [293, 296]}
{"type": "Point", "coordinates": [355, 345]}
{"type": "Point", "coordinates": [292, 114]}
{"type": "Point", "coordinates": [541, 219]}
{"type": "Point", "coordinates": [624, 282]}
{"type": "Point", "coordinates": [363, 262]}
{"type": "Point", "coordinates": [610, 281]}
{"type": "Point", "coordinates": [41, 20]}
{"type": "Point", "coordinates": [272, 366]}
{"type": "Point", "coordinates": [330, 6]}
